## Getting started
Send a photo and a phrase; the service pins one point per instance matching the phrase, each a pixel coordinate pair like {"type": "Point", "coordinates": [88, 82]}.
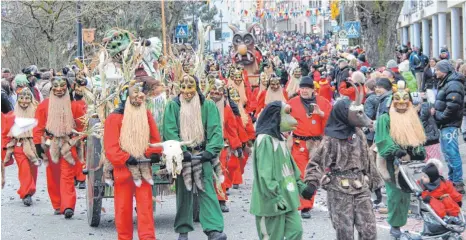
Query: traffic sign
{"type": "Point", "coordinates": [353, 29]}
{"type": "Point", "coordinates": [343, 41]}
{"type": "Point", "coordinates": [225, 35]}
{"type": "Point", "coordinates": [342, 34]}
{"type": "Point", "coordinates": [181, 31]}
{"type": "Point", "coordinates": [313, 19]}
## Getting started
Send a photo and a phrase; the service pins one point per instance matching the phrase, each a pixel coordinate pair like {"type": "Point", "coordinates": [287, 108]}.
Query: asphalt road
{"type": "Point", "coordinates": [38, 222]}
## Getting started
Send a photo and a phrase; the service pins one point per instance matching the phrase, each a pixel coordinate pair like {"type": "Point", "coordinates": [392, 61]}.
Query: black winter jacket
{"type": "Point", "coordinates": [430, 126]}
{"type": "Point", "coordinates": [384, 103]}
{"type": "Point", "coordinates": [429, 80]}
{"type": "Point", "coordinates": [449, 104]}
{"type": "Point", "coordinates": [342, 75]}
{"type": "Point", "coordinates": [370, 109]}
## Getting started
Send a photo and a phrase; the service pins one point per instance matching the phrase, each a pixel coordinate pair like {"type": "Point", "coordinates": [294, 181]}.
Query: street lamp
{"type": "Point", "coordinates": [221, 29]}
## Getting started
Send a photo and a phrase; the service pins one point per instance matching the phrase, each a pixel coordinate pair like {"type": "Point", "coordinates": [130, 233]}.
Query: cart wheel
{"type": "Point", "coordinates": [196, 208]}
{"type": "Point", "coordinates": [95, 186]}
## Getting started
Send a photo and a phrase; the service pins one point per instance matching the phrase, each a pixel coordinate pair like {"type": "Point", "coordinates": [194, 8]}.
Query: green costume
{"type": "Point", "coordinates": [398, 200]}
{"type": "Point", "coordinates": [275, 190]}
{"type": "Point", "coordinates": [210, 214]}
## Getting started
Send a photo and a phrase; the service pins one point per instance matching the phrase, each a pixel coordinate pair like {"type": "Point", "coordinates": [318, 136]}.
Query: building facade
{"type": "Point", "coordinates": [433, 24]}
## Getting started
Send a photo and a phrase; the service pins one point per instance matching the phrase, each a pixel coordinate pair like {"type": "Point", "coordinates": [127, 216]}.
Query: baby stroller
{"type": "Point", "coordinates": [434, 227]}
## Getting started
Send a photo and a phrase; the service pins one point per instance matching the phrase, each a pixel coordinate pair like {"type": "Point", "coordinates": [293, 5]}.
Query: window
{"type": "Point", "coordinates": [218, 34]}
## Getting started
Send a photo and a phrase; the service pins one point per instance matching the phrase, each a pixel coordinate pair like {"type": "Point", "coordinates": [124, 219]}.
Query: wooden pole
{"type": "Point", "coordinates": [164, 30]}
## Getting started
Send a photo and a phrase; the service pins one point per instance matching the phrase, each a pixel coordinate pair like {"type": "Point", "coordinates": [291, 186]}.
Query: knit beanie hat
{"type": "Point", "coordinates": [385, 83]}
{"type": "Point", "coordinates": [307, 82]}
{"type": "Point", "coordinates": [391, 64]}
{"type": "Point", "coordinates": [432, 172]}
{"type": "Point", "coordinates": [358, 77]}
{"type": "Point", "coordinates": [444, 66]}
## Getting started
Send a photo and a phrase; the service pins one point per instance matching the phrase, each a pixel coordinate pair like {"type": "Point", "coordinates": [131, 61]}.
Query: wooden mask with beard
{"type": "Point", "coordinates": [217, 90]}
{"type": "Point", "coordinates": [188, 87]}
{"type": "Point", "coordinates": [24, 98]}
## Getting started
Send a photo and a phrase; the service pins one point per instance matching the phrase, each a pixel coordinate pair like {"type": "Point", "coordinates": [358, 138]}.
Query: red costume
{"type": "Point", "coordinates": [326, 90]}
{"type": "Point", "coordinates": [60, 176]}
{"type": "Point", "coordinates": [444, 205]}
{"type": "Point", "coordinates": [79, 165]}
{"type": "Point", "coordinates": [125, 188]}
{"type": "Point", "coordinates": [8, 120]}
{"type": "Point", "coordinates": [349, 91]}
{"type": "Point", "coordinates": [261, 101]}
{"type": "Point", "coordinates": [308, 129]}
{"type": "Point", "coordinates": [230, 134]}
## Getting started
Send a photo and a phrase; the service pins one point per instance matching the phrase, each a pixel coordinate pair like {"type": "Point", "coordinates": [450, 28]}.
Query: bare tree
{"type": "Point", "coordinates": [378, 28]}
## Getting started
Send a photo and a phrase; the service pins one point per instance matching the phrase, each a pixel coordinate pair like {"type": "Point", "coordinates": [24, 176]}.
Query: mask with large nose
{"type": "Point", "coordinates": [356, 115]}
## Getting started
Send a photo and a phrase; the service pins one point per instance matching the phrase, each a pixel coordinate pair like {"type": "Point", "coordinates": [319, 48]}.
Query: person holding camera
{"type": "Point", "coordinates": [311, 111]}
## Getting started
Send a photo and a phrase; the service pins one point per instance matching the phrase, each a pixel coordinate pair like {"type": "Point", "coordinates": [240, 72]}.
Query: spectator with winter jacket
{"type": "Point", "coordinates": [448, 113]}
{"type": "Point", "coordinates": [408, 76]}
{"type": "Point", "coordinates": [383, 89]}
{"type": "Point", "coordinates": [423, 107]}
{"type": "Point", "coordinates": [343, 72]}
{"type": "Point", "coordinates": [463, 126]}
{"type": "Point", "coordinates": [429, 81]}
{"type": "Point", "coordinates": [392, 67]}
{"type": "Point", "coordinates": [370, 106]}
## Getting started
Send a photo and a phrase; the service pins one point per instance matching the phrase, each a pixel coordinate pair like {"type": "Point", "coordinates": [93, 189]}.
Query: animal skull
{"type": "Point", "coordinates": [172, 155]}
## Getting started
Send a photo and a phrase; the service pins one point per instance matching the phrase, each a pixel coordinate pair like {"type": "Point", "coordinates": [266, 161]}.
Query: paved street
{"type": "Point", "coordinates": [38, 222]}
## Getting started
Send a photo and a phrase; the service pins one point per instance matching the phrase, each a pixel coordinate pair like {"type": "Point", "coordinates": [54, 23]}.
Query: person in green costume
{"type": "Point", "coordinates": [399, 137]}
{"type": "Point", "coordinates": [192, 118]}
{"type": "Point", "coordinates": [277, 183]}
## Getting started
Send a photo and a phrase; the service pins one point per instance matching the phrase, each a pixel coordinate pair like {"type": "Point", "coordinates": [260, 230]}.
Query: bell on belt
{"type": "Point", "coordinates": [47, 142]}
{"type": "Point", "coordinates": [344, 183]}
{"type": "Point", "coordinates": [357, 184]}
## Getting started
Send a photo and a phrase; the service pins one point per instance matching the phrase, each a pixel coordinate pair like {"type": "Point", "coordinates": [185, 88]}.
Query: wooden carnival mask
{"type": "Point", "coordinates": [217, 90]}
{"type": "Point", "coordinates": [401, 100]}
{"type": "Point", "coordinates": [188, 87]}
{"type": "Point", "coordinates": [59, 86]}
{"type": "Point", "coordinates": [24, 98]}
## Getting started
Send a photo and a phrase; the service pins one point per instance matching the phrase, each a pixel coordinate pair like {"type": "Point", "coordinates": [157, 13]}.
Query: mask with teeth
{"type": "Point", "coordinates": [401, 99]}
{"type": "Point", "coordinates": [116, 41]}
{"type": "Point", "coordinates": [24, 98]}
{"type": "Point", "coordinates": [237, 77]}
{"type": "Point", "coordinates": [217, 90]}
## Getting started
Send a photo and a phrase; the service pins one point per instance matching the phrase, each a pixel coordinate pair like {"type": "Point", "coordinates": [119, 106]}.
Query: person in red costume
{"type": "Point", "coordinates": [8, 123]}
{"type": "Point", "coordinates": [311, 111]}
{"type": "Point", "coordinates": [439, 193]}
{"type": "Point", "coordinates": [238, 82]}
{"type": "Point", "coordinates": [273, 93]}
{"type": "Point", "coordinates": [325, 88]}
{"type": "Point", "coordinates": [57, 116]}
{"type": "Point", "coordinates": [128, 132]}
{"type": "Point", "coordinates": [232, 149]}
{"type": "Point", "coordinates": [78, 95]}
{"type": "Point", "coordinates": [22, 148]}
{"type": "Point", "coordinates": [246, 134]}
{"type": "Point", "coordinates": [347, 88]}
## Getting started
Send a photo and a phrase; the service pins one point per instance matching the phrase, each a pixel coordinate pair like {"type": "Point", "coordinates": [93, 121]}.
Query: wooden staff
{"type": "Point", "coordinates": [164, 29]}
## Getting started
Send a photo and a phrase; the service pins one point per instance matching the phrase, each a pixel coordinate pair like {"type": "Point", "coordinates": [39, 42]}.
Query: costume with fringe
{"type": "Point", "coordinates": [196, 175]}
{"type": "Point", "coordinates": [62, 153]}
{"type": "Point", "coordinates": [398, 200]}
{"type": "Point", "coordinates": [125, 187]}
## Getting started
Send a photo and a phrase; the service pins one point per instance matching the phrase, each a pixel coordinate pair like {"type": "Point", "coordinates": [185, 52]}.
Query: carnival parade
{"type": "Point", "coordinates": [226, 119]}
